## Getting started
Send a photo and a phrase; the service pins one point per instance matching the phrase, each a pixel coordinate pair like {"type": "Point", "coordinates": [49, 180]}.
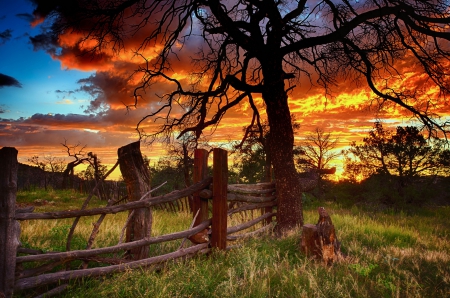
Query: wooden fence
{"type": "Point", "coordinates": [226, 200]}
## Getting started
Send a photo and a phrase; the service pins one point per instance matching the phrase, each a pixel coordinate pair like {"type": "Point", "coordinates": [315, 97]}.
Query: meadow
{"type": "Point", "coordinates": [386, 254]}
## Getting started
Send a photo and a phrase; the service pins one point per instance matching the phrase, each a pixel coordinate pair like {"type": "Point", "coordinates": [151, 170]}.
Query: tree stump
{"type": "Point", "coordinates": [137, 178]}
{"type": "Point", "coordinates": [320, 240]}
{"type": "Point", "coordinates": [309, 244]}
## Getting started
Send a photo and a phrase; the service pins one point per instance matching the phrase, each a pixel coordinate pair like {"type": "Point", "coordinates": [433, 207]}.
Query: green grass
{"type": "Point", "coordinates": [388, 254]}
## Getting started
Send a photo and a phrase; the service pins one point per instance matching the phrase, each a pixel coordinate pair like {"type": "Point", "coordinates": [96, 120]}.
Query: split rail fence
{"type": "Point", "coordinates": [212, 227]}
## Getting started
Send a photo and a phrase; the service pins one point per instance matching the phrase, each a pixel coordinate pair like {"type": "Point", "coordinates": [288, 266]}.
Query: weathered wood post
{"type": "Point", "coordinates": [9, 227]}
{"type": "Point", "coordinates": [220, 207]}
{"type": "Point", "coordinates": [199, 201]}
{"type": "Point", "coordinates": [137, 178]}
{"type": "Point", "coordinates": [200, 173]}
{"type": "Point", "coordinates": [320, 240]}
{"type": "Point", "coordinates": [267, 185]}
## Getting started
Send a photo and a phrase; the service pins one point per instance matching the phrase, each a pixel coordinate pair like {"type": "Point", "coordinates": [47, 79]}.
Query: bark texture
{"type": "Point", "coordinates": [137, 179]}
{"type": "Point", "coordinates": [320, 240]}
{"type": "Point", "coordinates": [281, 143]}
{"type": "Point", "coordinates": [9, 227]}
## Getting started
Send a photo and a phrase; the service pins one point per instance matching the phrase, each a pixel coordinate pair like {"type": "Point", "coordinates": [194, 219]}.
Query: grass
{"type": "Point", "coordinates": [388, 254]}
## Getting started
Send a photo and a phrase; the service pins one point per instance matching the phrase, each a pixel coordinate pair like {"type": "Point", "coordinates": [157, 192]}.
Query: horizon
{"type": "Point", "coordinates": [52, 94]}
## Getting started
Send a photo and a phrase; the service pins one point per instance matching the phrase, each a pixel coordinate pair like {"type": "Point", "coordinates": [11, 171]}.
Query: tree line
{"type": "Point", "coordinates": [400, 158]}
{"type": "Point", "coordinates": [404, 153]}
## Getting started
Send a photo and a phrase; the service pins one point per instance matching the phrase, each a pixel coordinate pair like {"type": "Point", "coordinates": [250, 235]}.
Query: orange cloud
{"type": "Point", "coordinates": [348, 109]}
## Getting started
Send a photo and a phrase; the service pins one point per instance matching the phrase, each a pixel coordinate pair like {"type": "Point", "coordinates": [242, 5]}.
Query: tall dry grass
{"type": "Point", "coordinates": [388, 254]}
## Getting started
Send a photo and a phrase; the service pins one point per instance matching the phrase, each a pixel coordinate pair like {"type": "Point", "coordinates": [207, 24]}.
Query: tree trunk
{"type": "Point", "coordinates": [281, 143]}
{"type": "Point", "coordinates": [137, 178]}
{"type": "Point", "coordinates": [67, 174]}
{"type": "Point", "coordinates": [268, 165]}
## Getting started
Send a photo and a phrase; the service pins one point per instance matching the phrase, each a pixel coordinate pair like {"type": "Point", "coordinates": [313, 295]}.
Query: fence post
{"type": "Point", "coordinates": [9, 227]}
{"type": "Point", "coordinates": [265, 210]}
{"type": "Point", "coordinates": [200, 173]}
{"type": "Point", "coordinates": [220, 208]}
{"type": "Point", "coordinates": [137, 178]}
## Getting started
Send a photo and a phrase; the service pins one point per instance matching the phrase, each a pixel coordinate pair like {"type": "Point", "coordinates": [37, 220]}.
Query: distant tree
{"type": "Point", "coordinates": [49, 165]}
{"type": "Point", "coordinates": [253, 154]}
{"type": "Point", "coordinates": [405, 153]}
{"type": "Point", "coordinates": [315, 153]}
{"type": "Point", "coordinates": [264, 48]}
{"type": "Point", "coordinates": [80, 156]}
{"type": "Point", "coordinates": [176, 167]}
{"type": "Point", "coordinates": [251, 165]}
{"type": "Point", "coordinates": [94, 171]}
{"type": "Point", "coordinates": [317, 150]}
{"type": "Point", "coordinates": [181, 154]}
{"type": "Point", "coordinates": [354, 171]}
{"type": "Point", "coordinates": [165, 170]}
{"type": "Point", "coordinates": [444, 160]}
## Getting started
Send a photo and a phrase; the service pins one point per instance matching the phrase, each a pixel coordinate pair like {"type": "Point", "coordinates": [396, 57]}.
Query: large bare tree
{"type": "Point", "coordinates": [261, 48]}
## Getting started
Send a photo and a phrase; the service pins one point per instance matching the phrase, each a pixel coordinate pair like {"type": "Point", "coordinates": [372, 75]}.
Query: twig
{"type": "Point", "coordinates": [190, 227]}
{"type": "Point", "coordinates": [156, 188]}
{"type": "Point", "coordinates": [86, 202]}
{"type": "Point", "coordinates": [132, 212]}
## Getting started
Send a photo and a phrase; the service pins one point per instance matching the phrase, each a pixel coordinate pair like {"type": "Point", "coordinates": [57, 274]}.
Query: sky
{"type": "Point", "coordinates": [50, 94]}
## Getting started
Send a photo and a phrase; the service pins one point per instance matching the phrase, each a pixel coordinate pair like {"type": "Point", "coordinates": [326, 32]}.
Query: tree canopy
{"type": "Point", "coordinates": [248, 48]}
{"type": "Point", "coordinates": [405, 153]}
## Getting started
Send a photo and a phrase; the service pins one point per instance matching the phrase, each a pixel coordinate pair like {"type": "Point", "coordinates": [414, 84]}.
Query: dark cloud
{"type": "Point", "coordinates": [73, 55]}
{"type": "Point", "coordinates": [26, 16]}
{"type": "Point", "coordinates": [45, 7]}
{"type": "Point", "coordinates": [108, 89]}
{"type": "Point", "coordinates": [62, 119]}
{"type": "Point", "coordinates": [7, 81]}
{"type": "Point", "coordinates": [51, 130]}
{"type": "Point", "coordinates": [65, 93]}
{"type": "Point", "coordinates": [46, 41]}
{"type": "Point", "coordinates": [5, 36]}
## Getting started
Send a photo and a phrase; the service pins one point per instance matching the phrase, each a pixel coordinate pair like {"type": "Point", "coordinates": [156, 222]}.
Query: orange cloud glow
{"type": "Point", "coordinates": [348, 110]}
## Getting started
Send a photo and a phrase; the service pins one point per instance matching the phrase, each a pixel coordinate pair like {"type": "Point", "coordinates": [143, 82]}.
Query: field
{"type": "Point", "coordinates": [387, 254]}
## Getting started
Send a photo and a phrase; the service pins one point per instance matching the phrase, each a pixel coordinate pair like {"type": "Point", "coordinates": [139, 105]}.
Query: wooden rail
{"type": "Point", "coordinates": [79, 254]}
{"type": "Point", "coordinates": [204, 190]}
{"type": "Point", "coordinates": [49, 278]}
{"type": "Point", "coordinates": [175, 195]}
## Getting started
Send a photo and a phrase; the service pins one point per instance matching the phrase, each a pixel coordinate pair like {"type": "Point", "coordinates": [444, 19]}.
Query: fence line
{"type": "Point", "coordinates": [77, 254]}
{"type": "Point", "coordinates": [151, 201]}
{"type": "Point", "coordinates": [45, 279]}
{"type": "Point", "coordinates": [226, 201]}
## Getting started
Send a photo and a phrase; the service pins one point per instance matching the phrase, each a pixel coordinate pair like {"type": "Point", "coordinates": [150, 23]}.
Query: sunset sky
{"type": "Point", "coordinates": [50, 94]}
